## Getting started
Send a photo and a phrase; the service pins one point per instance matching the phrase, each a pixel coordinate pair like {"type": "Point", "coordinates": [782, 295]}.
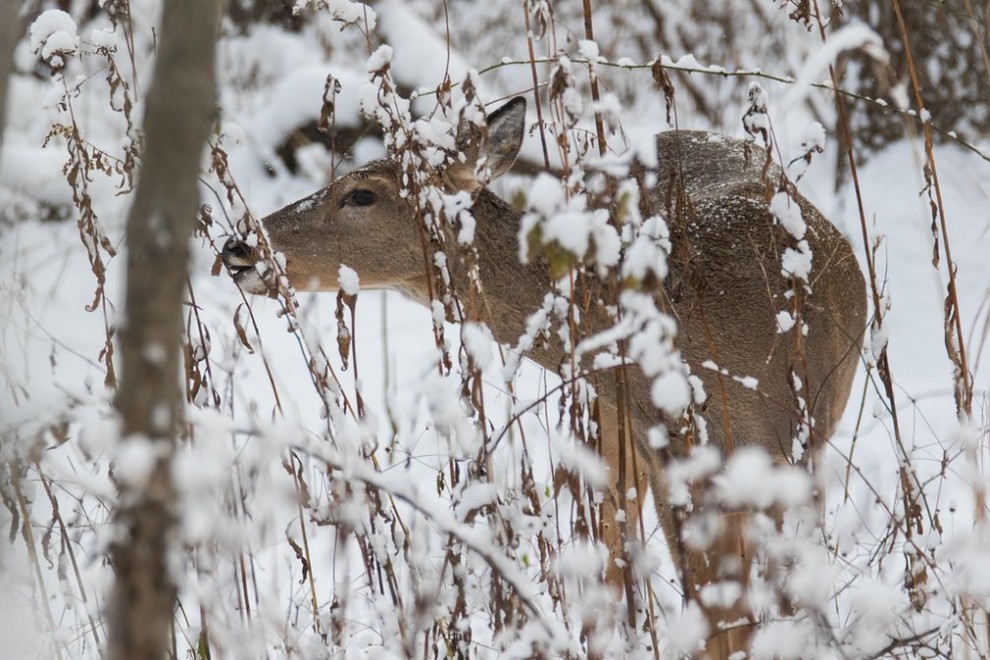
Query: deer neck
{"type": "Point", "coordinates": [510, 291]}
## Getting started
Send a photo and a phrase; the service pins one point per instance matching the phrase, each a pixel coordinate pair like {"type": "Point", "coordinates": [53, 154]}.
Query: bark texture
{"type": "Point", "coordinates": [180, 111]}
{"type": "Point", "coordinates": [10, 32]}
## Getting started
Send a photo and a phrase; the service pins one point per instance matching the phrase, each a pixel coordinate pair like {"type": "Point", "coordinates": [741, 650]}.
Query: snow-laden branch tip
{"type": "Point", "coordinates": [54, 37]}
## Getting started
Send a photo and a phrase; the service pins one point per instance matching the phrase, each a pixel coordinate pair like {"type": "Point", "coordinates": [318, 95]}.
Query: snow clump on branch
{"type": "Point", "coordinates": [54, 37]}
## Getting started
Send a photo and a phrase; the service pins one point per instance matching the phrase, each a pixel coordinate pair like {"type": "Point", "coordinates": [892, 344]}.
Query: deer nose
{"type": "Point", "coordinates": [238, 254]}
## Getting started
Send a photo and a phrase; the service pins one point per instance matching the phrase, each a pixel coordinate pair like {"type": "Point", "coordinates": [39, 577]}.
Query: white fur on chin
{"type": "Point", "coordinates": [250, 281]}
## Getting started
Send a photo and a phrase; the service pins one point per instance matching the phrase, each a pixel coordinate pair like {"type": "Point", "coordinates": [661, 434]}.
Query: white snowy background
{"type": "Point", "coordinates": [239, 506]}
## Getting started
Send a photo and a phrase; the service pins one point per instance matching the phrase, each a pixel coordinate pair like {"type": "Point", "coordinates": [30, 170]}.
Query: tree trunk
{"type": "Point", "coordinates": [10, 32]}
{"type": "Point", "coordinates": [179, 113]}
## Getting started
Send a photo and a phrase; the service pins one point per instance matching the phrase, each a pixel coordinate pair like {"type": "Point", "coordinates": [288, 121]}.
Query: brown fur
{"type": "Point", "coordinates": [724, 288]}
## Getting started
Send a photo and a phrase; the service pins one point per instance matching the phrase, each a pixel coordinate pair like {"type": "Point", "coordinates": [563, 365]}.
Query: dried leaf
{"type": "Point", "coordinates": [756, 121]}
{"type": "Point", "coordinates": [929, 190]}
{"type": "Point", "coordinates": [239, 327]}
{"type": "Point", "coordinates": [304, 496]}
{"type": "Point", "coordinates": [330, 90]}
{"type": "Point", "coordinates": [560, 80]}
{"type": "Point", "coordinates": [961, 390]}
{"type": "Point", "coordinates": [802, 13]}
{"type": "Point", "coordinates": [46, 538]}
{"type": "Point", "coordinates": [541, 13]}
{"type": "Point", "coordinates": [11, 504]}
{"type": "Point", "coordinates": [302, 559]}
{"type": "Point", "coordinates": [343, 332]}
{"type": "Point", "coordinates": [915, 579]}
{"type": "Point", "coordinates": [662, 79]}
{"type": "Point", "coordinates": [106, 357]}
{"type": "Point", "coordinates": [205, 221]}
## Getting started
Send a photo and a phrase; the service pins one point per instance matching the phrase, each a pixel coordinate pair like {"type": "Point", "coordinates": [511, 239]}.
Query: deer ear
{"type": "Point", "coordinates": [506, 127]}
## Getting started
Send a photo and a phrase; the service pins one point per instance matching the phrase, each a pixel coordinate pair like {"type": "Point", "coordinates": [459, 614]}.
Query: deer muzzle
{"type": "Point", "coordinates": [242, 261]}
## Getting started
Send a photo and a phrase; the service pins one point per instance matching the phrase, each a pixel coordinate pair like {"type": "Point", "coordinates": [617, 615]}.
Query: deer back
{"type": "Point", "coordinates": [726, 287]}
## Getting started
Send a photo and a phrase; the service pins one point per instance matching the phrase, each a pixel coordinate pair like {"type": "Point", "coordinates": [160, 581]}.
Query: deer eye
{"type": "Point", "coordinates": [360, 197]}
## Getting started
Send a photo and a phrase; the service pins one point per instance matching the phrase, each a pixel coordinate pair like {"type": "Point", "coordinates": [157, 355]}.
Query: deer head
{"type": "Point", "coordinates": [366, 220]}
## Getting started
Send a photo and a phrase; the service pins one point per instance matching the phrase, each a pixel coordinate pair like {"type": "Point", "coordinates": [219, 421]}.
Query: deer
{"type": "Point", "coordinates": [724, 289]}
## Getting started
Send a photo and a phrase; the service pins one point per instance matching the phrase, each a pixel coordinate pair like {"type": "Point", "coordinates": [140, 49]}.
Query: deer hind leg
{"type": "Point", "coordinates": [714, 563]}
{"type": "Point", "coordinates": [620, 511]}
{"type": "Point", "coordinates": [721, 574]}
{"type": "Point", "coordinates": [732, 625]}
{"type": "Point", "coordinates": [715, 574]}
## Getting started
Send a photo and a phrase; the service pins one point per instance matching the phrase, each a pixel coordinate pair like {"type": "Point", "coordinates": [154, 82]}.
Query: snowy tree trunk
{"type": "Point", "coordinates": [10, 33]}
{"type": "Point", "coordinates": [180, 110]}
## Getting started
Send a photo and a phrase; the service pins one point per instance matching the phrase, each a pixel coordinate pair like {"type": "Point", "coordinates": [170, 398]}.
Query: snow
{"type": "Point", "coordinates": [578, 232]}
{"type": "Point", "coordinates": [478, 343]}
{"type": "Point", "coordinates": [855, 36]}
{"type": "Point", "coordinates": [581, 559]}
{"type": "Point", "coordinates": [589, 50]}
{"type": "Point", "coordinates": [300, 94]}
{"type": "Point", "coordinates": [658, 438]}
{"type": "Point", "coordinates": [812, 143]}
{"type": "Point", "coordinates": [103, 38]}
{"type": "Point", "coordinates": [751, 480]}
{"type": "Point", "coordinates": [347, 277]}
{"type": "Point", "coordinates": [879, 337]}
{"type": "Point", "coordinates": [721, 594]}
{"type": "Point", "coordinates": [813, 138]}
{"type": "Point", "coordinates": [749, 382]}
{"type": "Point", "coordinates": [54, 36]}
{"type": "Point", "coordinates": [797, 263]}
{"type": "Point", "coordinates": [474, 497]}
{"type": "Point", "coordinates": [688, 631]}
{"type": "Point", "coordinates": [381, 58]}
{"type": "Point", "coordinates": [457, 207]}
{"type": "Point", "coordinates": [569, 224]}
{"type": "Point", "coordinates": [788, 214]}
{"type": "Point", "coordinates": [582, 460]}
{"type": "Point", "coordinates": [688, 62]}
{"type": "Point", "coordinates": [671, 393]}
{"type": "Point", "coordinates": [785, 321]}
{"type": "Point", "coordinates": [135, 459]}
{"type": "Point", "coordinates": [779, 640]}
{"type": "Point", "coordinates": [422, 55]}
{"type": "Point", "coordinates": [350, 13]}
{"type": "Point", "coordinates": [644, 257]}
{"type": "Point", "coordinates": [702, 462]}
{"type": "Point", "coordinates": [545, 195]}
